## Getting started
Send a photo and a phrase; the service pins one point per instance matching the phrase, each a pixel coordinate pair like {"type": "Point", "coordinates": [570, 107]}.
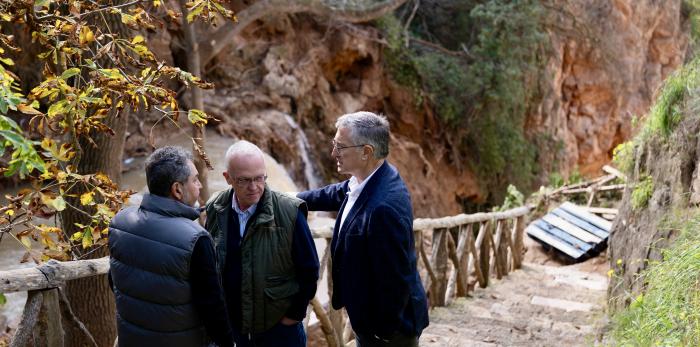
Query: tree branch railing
{"type": "Point", "coordinates": [466, 250]}
{"type": "Point", "coordinates": [454, 254]}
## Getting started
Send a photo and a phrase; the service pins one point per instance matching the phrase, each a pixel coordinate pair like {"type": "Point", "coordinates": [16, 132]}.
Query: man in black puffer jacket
{"type": "Point", "coordinates": [163, 265]}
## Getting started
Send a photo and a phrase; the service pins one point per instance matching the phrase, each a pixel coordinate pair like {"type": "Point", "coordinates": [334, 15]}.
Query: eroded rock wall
{"type": "Point", "coordinates": [608, 60]}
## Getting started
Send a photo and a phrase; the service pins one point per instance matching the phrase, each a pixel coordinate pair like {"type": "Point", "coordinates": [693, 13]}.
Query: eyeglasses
{"type": "Point", "coordinates": [338, 147]}
{"type": "Point", "coordinates": [244, 181]}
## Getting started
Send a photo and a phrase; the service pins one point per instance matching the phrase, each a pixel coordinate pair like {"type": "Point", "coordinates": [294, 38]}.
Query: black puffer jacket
{"type": "Point", "coordinates": [150, 251]}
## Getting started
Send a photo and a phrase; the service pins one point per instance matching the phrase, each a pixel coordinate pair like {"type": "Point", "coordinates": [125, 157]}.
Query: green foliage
{"type": "Point", "coordinates": [398, 58]}
{"type": "Point", "coordinates": [444, 79]}
{"type": "Point", "coordinates": [482, 89]}
{"type": "Point", "coordinates": [89, 75]}
{"type": "Point", "coordinates": [668, 313]}
{"type": "Point", "coordinates": [24, 158]}
{"type": "Point", "coordinates": [669, 106]}
{"type": "Point", "coordinates": [3, 300]}
{"type": "Point", "coordinates": [556, 179]}
{"type": "Point", "coordinates": [642, 192]}
{"type": "Point", "coordinates": [691, 8]}
{"type": "Point", "coordinates": [623, 156]}
{"type": "Point", "coordinates": [514, 198]}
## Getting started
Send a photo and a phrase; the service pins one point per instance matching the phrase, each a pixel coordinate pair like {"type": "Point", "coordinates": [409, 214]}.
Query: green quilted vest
{"type": "Point", "coordinates": [268, 274]}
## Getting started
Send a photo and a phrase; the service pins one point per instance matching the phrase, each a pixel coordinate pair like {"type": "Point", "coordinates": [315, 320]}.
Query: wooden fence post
{"type": "Point", "coordinates": [518, 242]}
{"type": "Point", "coordinates": [49, 331]}
{"type": "Point", "coordinates": [439, 262]}
{"type": "Point", "coordinates": [326, 325]}
{"type": "Point", "coordinates": [463, 256]}
{"type": "Point", "coordinates": [427, 282]}
{"type": "Point", "coordinates": [475, 255]}
{"type": "Point", "coordinates": [335, 316]}
{"type": "Point", "coordinates": [29, 317]}
{"type": "Point", "coordinates": [485, 253]}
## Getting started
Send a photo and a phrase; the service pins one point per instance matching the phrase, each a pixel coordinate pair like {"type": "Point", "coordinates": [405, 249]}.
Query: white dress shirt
{"type": "Point", "coordinates": [354, 193]}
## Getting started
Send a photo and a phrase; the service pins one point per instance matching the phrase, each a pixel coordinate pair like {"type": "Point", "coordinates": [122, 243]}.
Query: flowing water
{"type": "Point", "coordinates": [310, 173]}
{"type": "Point", "coordinates": [11, 251]}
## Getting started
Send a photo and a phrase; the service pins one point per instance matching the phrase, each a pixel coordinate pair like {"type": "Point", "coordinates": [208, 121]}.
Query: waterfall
{"type": "Point", "coordinates": [303, 144]}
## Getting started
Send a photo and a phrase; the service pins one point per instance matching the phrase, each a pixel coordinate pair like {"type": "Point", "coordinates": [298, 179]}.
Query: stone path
{"type": "Point", "coordinates": [538, 305]}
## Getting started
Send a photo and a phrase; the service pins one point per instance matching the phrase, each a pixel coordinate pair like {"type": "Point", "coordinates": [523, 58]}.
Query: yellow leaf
{"type": "Point", "coordinates": [86, 35]}
{"type": "Point", "coordinates": [128, 19]}
{"type": "Point", "coordinates": [137, 39]}
{"type": "Point", "coordinates": [10, 212]}
{"type": "Point", "coordinates": [197, 117]}
{"type": "Point", "coordinates": [86, 199]}
{"type": "Point", "coordinates": [156, 3]}
{"type": "Point", "coordinates": [76, 236]}
{"type": "Point", "coordinates": [103, 178]}
{"type": "Point", "coordinates": [87, 239]}
{"type": "Point", "coordinates": [61, 176]}
{"type": "Point", "coordinates": [26, 241]}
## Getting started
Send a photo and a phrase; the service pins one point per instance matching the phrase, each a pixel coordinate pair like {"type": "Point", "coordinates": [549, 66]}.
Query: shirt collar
{"type": "Point", "coordinates": [355, 187]}
{"type": "Point", "coordinates": [234, 205]}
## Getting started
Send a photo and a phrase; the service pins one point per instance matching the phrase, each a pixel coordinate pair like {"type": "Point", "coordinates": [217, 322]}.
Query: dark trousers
{"type": "Point", "coordinates": [278, 335]}
{"type": "Point", "coordinates": [398, 340]}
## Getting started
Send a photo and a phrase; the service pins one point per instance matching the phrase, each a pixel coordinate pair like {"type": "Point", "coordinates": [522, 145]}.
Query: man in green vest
{"type": "Point", "coordinates": [265, 251]}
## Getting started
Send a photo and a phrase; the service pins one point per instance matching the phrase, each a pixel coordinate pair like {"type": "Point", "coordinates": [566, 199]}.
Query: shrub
{"type": "Point", "coordinates": [668, 313]}
{"type": "Point", "coordinates": [642, 192]}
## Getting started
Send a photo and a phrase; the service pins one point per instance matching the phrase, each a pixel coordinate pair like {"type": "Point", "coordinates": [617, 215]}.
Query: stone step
{"type": "Point", "coordinates": [536, 306]}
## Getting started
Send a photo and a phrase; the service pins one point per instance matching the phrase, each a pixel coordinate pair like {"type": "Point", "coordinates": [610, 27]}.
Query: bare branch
{"type": "Point", "coordinates": [67, 312]}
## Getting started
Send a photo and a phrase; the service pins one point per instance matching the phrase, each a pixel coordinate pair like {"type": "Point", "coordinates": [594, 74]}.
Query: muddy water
{"type": "Point", "coordinates": [278, 179]}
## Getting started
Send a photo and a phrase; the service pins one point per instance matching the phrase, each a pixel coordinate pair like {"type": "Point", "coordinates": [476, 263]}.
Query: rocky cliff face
{"type": "Point", "coordinates": [607, 60]}
{"type": "Point", "coordinates": [662, 195]}
{"type": "Point", "coordinates": [295, 70]}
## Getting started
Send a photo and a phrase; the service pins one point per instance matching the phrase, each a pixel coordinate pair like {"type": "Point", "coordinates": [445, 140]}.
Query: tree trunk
{"type": "Point", "coordinates": [91, 298]}
{"type": "Point", "coordinates": [198, 133]}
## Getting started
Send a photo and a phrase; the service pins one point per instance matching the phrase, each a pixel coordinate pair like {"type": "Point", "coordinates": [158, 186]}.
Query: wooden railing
{"type": "Point", "coordinates": [466, 247]}
{"type": "Point", "coordinates": [453, 253]}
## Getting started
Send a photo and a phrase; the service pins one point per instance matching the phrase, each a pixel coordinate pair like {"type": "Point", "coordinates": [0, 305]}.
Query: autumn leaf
{"type": "Point", "coordinates": [86, 199]}
{"type": "Point", "coordinates": [27, 109]}
{"type": "Point", "coordinates": [197, 117]}
{"type": "Point", "coordinates": [87, 238]}
{"type": "Point", "coordinates": [26, 241]}
{"type": "Point", "coordinates": [137, 39]}
{"type": "Point", "coordinates": [86, 35]}
{"type": "Point", "coordinates": [59, 204]}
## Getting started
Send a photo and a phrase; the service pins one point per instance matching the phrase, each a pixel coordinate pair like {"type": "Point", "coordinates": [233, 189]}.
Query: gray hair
{"type": "Point", "coordinates": [166, 166]}
{"type": "Point", "coordinates": [367, 128]}
{"type": "Point", "coordinates": [242, 147]}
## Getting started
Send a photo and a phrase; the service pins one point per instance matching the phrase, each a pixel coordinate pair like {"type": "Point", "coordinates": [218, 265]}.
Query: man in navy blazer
{"type": "Point", "coordinates": [374, 260]}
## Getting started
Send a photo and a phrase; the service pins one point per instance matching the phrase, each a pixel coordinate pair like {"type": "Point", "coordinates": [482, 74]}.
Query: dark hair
{"type": "Point", "coordinates": [166, 166]}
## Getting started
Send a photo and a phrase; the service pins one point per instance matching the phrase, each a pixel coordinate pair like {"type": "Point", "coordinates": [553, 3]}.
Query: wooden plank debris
{"type": "Point", "coordinates": [572, 230]}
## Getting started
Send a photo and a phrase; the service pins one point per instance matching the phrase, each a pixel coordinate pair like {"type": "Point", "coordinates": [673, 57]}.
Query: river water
{"type": "Point", "coordinates": [11, 251]}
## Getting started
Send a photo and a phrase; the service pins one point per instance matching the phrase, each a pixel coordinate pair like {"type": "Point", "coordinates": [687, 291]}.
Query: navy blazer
{"type": "Point", "coordinates": [374, 260]}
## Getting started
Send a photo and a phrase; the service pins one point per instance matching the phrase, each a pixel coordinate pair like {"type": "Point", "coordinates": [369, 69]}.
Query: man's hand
{"type": "Point", "coordinates": [288, 321]}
